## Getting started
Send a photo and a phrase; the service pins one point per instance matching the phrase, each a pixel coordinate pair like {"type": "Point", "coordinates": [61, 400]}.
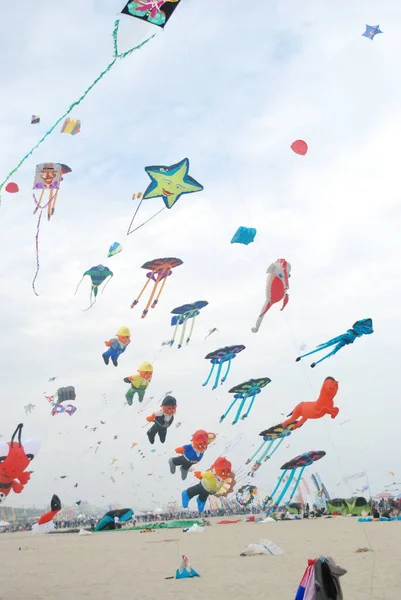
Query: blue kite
{"type": "Point", "coordinates": [114, 249]}
{"type": "Point", "coordinates": [360, 328]}
{"type": "Point", "coordinates": [244, 235]}
{"type": "Point", "coordinates": [371, 31]}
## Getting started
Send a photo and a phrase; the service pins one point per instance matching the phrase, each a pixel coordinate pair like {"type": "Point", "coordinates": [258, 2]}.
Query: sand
{"type": "Point", "coordinates": [124, 565]}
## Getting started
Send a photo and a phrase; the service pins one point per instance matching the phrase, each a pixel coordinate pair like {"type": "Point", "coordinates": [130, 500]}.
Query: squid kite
{"type": "Point", "coordinates": [277, 286]}
{"type": "Point", "coordinates": [182, 314]}
{"type": "Point", "coordinates": [159, 270]}
{"type": "Point", "coordinates": [242, 392]}
{"type": "Point", "coordinates": [219, 357]}
{"type": "Point", "coordinates": [98, 275]}
{"type": "Point", "coordinates": [169, 183]}
{"type": "Point", "coordinates": [48, 177]}
{"type": "Point", "coordinates": [359, 328]}
{"type": "Point", "coordinates": [324, 405]}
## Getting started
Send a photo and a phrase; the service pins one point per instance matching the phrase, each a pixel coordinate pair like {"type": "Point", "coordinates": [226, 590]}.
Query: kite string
{"type": "Point", "coordinates": [80, 99]}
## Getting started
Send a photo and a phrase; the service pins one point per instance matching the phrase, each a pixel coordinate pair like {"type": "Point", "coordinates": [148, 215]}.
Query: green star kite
{"type": "Point", "coordinates": [170, 183]}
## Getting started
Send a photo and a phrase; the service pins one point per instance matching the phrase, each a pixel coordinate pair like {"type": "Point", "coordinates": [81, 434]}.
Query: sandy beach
{"type": "Point", "coordinates": [130, 565]}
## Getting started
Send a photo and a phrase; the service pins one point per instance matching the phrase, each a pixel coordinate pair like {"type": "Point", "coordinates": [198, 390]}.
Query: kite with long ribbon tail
{"type": "Point", "coordinates": [48, 177]}
{"type": "Point", "coordinates": [359, 328]}
{"type": "Point", "coordinates": [151, 12]}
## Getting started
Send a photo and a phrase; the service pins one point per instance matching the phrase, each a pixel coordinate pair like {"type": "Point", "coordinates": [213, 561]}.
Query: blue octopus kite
{"type": "Point", "coordinates": [360, 328]}
{"type": "Point", "coordinates": [218, 357]}
{"type": "Point", "coordinates": [243, 391]}
{"type": "Point", "coordinates": [182, 314]}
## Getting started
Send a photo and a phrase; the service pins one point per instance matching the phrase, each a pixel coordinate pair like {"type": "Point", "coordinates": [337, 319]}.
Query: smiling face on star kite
{"type": "Point", "coordinates": [170, 183]}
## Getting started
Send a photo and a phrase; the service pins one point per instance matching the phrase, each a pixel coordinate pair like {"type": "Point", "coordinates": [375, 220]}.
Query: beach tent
{"type": "Point", "coordinates": [357, 505]}
{"type": "Point", "coordinates": [337, 505]}
{"type": "Point", "coordinates": [294, 508]}
{"type": "Point", "coordinates": [107, 522]}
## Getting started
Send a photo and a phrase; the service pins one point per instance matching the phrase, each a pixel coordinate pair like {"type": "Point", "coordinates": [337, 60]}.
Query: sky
{"type": "Point", "coordinates": [229, 87]}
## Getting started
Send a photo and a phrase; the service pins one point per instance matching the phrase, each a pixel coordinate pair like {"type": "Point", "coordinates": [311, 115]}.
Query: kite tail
{"type": "Point", "coordinates": [309, 353]}
{"type": "Point", "coordinates": [105, 285]}
{"type": "Point", "coordinates": [298, 481]}
{"type": "Point", "coordinates": [332, 353]}
{"type": "Point", "coordinates": [210, 375]}
{"type": "Point", "coordinates": [228, 409]}
{"type": "Point", "coordinates": [285, 489]}
{"type": "Point", "coordinates": [92, 303]}
{"type": "Point", "coordinates": [76, 291]}
{"type": "Point", "coordinates": [37, 253]}
{"type": "Point", "coordinates": [257, 452]}
{"type": "Point", "coordinates": [191, 330]}
{"type": "Point", "coordinates": [278, 484]}
{"type": "Point", "coordinates": [227, 370]}
{"type": "Point", "coordinates": [117, 55]}
{"type": "Point", "coordinates": [276, 448]}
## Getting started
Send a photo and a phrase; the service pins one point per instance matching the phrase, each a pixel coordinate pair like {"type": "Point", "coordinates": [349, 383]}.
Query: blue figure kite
{"type": "Point", "coordinates": [360, 328]}
{"type": "Point", "coordinates": [244, 235]}
{"type": "Point", "coordinates": [114, 249]}
{"type": "Point", "coordinates": [371, 31]}
{"type": "Point", "coordinates": [219, 357]}
{"type": "Point", "coordinates": [243, 391]}
{"type": "Point", "coordinates": [182, 314]}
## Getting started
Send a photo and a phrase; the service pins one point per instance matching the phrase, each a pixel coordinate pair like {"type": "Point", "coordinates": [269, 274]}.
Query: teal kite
{"type": "Point", "coordinates": [98, 275]}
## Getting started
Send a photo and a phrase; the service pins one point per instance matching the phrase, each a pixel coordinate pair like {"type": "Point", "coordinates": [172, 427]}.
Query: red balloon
{"type": "Point", "coordinates": [12, 188]}
{"type": "Point", "coordinates": [299, 147]}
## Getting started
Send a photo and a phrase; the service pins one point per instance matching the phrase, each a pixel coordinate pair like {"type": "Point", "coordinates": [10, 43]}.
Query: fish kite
{"type": "Point", "coordinates": [277, 286]}
{"type": "Point", "coordinates": [359, 328]}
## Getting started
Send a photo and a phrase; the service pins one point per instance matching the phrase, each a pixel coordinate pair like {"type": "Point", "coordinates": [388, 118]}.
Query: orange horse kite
{"type": "Point", "coordinates": [324, 405]}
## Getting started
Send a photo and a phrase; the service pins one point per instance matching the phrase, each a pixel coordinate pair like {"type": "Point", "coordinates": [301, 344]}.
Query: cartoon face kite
{"type": "Point", "coordinates": [169, 183]}
{"type": "Point", "coordinates": [48, 177]}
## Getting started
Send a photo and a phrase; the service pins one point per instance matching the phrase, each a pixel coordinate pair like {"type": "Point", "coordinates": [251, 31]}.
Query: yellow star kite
{"type": "Point", "coordinates": [170, 183]}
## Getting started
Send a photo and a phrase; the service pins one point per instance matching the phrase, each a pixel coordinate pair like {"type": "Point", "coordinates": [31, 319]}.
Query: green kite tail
{"type": "Point", "coordinates": [116, 56]}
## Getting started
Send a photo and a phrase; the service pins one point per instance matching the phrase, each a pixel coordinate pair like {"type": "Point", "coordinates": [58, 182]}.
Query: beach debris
{"type": "Point", "coordinates": [262, 547]}
{"type": "Point", "coordinates": [321, 574]}
{"type": "Point", "coordinates": [194, 529]}
{"type": "Point", "coordinates": [84, 532]}
{"type": "Point", "coordinates": [185, 571]}
{"type": "Point", "coordinates": [45, 523]}
{"type": "Point", "coordinates": [362, 550]}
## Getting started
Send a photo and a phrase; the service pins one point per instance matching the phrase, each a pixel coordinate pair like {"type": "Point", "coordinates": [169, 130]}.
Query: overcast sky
{"type": "Point", "coordinates": [230, 85]}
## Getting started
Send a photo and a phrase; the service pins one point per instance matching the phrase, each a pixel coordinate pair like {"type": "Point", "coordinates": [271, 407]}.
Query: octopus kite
{"type": "Point", "coordinates": [159, 270]}
{"type": "Point", "coordinates": [219, 357]}
{"type": "Point", "coordinates": [359, 328]}
{"type": "Point", "coordinates": [299, 462]}
{"type": "Point", "coordinates": [182, 314]}
{"type": "Point", "coordinates": [243, 391]}
{"type": "Point", "coordinates": [277, 286]}
{"type": "Point", "coordinates": [324, 405]}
